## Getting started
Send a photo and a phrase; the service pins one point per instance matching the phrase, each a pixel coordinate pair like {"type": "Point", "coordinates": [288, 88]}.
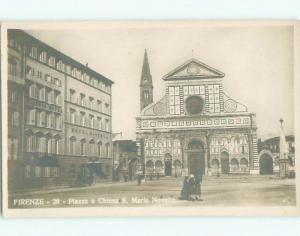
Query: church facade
{"type": "Point", "coordinates": [195, 128]}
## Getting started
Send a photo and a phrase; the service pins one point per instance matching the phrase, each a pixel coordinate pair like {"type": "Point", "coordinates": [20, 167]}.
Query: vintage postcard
{"type": "Point", "coordinates": [150, 118]}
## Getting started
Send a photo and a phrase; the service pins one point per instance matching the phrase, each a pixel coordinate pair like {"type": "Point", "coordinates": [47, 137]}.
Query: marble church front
{"type": "Point", "coordinates": [195, 128]}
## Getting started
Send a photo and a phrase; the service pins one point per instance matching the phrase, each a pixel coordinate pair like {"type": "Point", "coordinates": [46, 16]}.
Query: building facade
{"type": "Point", "coordinates": [269, 152]}
{"type": "Point", "coordinates": [59, 116]}
{"type": "Point", "coordinates": [195, 128]}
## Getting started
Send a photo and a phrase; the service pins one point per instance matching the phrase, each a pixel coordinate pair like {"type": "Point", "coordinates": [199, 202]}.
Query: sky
{"type": "Point", "coordinates": [257, 62]}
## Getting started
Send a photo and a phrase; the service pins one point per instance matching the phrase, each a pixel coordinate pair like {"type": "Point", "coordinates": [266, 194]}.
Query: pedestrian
{"type": "Point", "coordinates": [191, 187]}
{"type": "Point", "coordinates": [198, 182]}
{"type": "Point", "coordinates": [184, 195]}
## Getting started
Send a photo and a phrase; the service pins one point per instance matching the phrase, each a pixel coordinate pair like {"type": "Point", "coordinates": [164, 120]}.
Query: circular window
{"type": "Point", "coordinates": [194, 105]}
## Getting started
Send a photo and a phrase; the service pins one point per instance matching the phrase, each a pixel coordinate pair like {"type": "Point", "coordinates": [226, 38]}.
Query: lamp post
{"type": "Point", "coordinates": [283, 161]}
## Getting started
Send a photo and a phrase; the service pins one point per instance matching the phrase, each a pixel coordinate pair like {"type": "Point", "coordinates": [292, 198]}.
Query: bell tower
{"type": "Point", "coordinates": [146, 86]}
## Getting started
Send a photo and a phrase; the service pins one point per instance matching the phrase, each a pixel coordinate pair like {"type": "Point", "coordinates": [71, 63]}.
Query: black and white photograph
{"type": "Point", "coordinates": [149, 118]}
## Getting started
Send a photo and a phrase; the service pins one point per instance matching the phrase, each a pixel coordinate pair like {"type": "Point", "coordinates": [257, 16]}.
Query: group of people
{"type": "Point", "coordinates": [191, 189]}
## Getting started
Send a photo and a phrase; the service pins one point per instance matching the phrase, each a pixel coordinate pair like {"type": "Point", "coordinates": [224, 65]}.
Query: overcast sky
{"type": "Point", "coordinates": [257, 62]}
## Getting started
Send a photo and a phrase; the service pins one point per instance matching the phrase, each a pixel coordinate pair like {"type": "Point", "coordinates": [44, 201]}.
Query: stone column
{"type": "Point", "coordinates": [184, 157]}
{"type": "Point", "coordinates": [208, 136]}
{"type": "Point", "coordinates": [181, 138]}
{"type": "Point", "coordinates": [207, 161]}
{"type": "Point", "coordinates": [253, 155]}
{"type": "Point", "coordinates": [140, 154]}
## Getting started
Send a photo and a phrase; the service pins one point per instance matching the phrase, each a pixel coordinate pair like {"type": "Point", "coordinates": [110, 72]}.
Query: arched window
{"type": "Point", "coordinates": [42, 144]}
{"type": "Point", "coordinates": [43, 57]}
{"type": "Point", "coordinates": [215, 163]}
{"type": "Point", "coordinates": [60, 65]}
{"type": "Point", "coordinates": [33, 52]}
{"type": "Point", "coordinates": [107, 149]}
{"type": "Point", "coordinates": [72, 116]}
{"type": "Point", "coordinates": [50, 96]}
{"type": "Point", "coordinates": [99, 149]}
{"type": "Point", "coordinates": [244, 164]}
{"type": "Point", "coordinates": [82, 147]}
{"type": "Point", "coordinates": [51, 61]}
{"type": "Point", "coordinates": [82, 118]}
{"type": "Point", "coordinates": [30, 144]}
{"type": "Point", "coordinates": [33, 91]}
{"type": "Point", "coordinates": [49, 145]}
{"type": "Point", "coordinates": [42, 93]}
{"type": "Point", "coordinates": [42, 119]}
{"type": "Point", "coordinates": [72, 145]}
{"type": "Point", "coordinates": [91, 121]}
{"type": "Point", "coordinates": [234, 164]}
{"type": "Point", "coordinates": [58, 122]}
{"type": "Point", "coordinates": [149, 164]}
{"type": "Point", "coordinates": [99, 121]}
{"type": "Point", "coordinates": [158, 164]}
{"type": "Point", "coordinates": [56, 145]}
{"type": "Point", "coordinates": [92, 147]}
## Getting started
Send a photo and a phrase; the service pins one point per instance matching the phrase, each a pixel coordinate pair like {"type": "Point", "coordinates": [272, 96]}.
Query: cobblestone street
{"type": "Point", "coordinates": [222, 191]}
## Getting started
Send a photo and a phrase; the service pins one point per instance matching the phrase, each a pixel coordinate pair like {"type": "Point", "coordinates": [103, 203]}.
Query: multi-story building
{"type": "Point", "coordinates": [195, 127]}
{"type": "Point", "coordinates": [59, 116]}
{"type": "Point", "coordinates": [16, 85]}
{"type": "Point", "coordinates": [269, 151]}
{"type": "Point", "coordinates": [125, 159]}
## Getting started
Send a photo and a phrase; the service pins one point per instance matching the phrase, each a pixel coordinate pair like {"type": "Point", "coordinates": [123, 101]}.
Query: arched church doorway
{"type": "Point", "coordinates": [177, 168]}
{"type": "Point", "coordinates": [224, 163]}
{"type": "Point", "coordinates": [196, 155]}
{"type": "Point", "coordinates": [266, 164]}
{"type": "Point", "coordinates": [168, 165]}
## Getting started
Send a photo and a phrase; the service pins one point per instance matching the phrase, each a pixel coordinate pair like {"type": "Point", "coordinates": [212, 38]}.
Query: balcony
{"type": "Point", "coordinates": [43, 105]}
{"type": "Point", "coordinates": [42, 81]}
{"type": "Point", "coordinates": [16, 79]}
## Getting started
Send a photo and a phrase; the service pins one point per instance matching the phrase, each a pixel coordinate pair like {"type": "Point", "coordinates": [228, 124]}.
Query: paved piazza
{"type": "Point", "coordinates": [216, 191]}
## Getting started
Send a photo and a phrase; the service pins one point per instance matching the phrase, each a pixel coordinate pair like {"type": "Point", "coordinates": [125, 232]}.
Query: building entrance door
{"type": "Point", "coordinates": [168, 167]}
{"type": "Point", "coordinates": [196, 163]}
{"type": "Point", "coordinates": [225, 163]}
{"type": "Point", "coordinates": [196, 158]}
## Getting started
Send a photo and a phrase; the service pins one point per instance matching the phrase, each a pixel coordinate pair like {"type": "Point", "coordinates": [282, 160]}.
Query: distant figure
{"type": "Point", "coordinates": [157, 176]}
{"type": "Point", "coordinates": [139, 177]}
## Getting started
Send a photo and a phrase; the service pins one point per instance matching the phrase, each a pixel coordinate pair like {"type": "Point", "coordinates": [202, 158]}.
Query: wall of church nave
{"type": "Point", "coordinates": [229, 154]}
{"type": "Point", "coordinates": [157, 167]}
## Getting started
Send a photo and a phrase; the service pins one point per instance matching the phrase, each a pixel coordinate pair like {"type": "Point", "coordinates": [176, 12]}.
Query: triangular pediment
{"type": "Point", "coordinates": [193, 69]}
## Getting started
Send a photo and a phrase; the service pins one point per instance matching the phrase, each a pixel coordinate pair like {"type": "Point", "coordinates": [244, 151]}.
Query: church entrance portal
{"type": "Point", "coordinates": [225, 163]}
{"type": "Point", "coordinates": [196, 155]}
